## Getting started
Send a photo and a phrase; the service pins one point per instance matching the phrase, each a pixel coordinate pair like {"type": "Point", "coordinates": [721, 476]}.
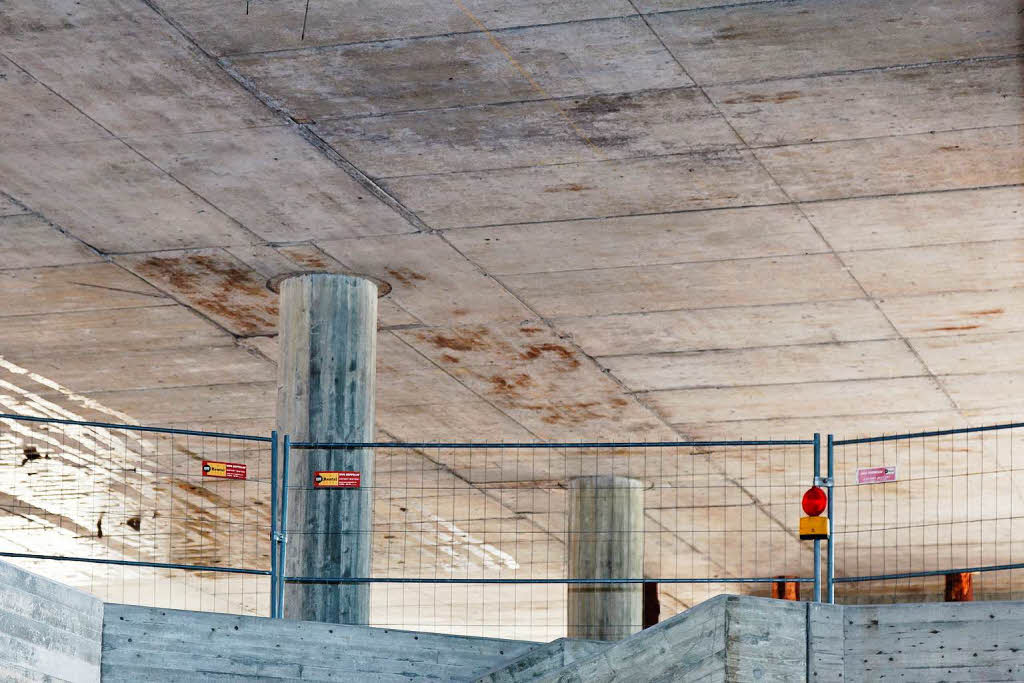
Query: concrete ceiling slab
{"type": "Point", "coordinates": [771, 365]}
{"type": "Point", "coordinates": [214, 283]}
{"type": "Point", "coordinates": [993, 393]}
{"type": "Point", "coordinates": [8, 207]}
{"type": "Point", "coordinates": [955, 160]}
{"type": "Point", "coordinates": [919, 99]}
{"type": "Point", "coordinates": [101, 192]}
{"type": "Point", "coordinates": [572, 59]}
{"type": "Point", "coordinates": [197, 405]}
{"type": "Point", "coordinates": [111, 332]}
{"type": "Point", "coordinates": [517, 134]}
{"type": "Point", "coordinates": [920, 219]}
{"type": "Point", "coordinates": [73, 288]}
{"type": "Point", "coordinates": [155, 83]}
{"type": "Point", "coordinates": [845, 426]}
{"type": "Point", "coordinates": [654, 239]}
{"type": "Point", "coordinates": [225, 27]}
{"type": "Point", "coordinates": [727, 328]}
{"type": "Point", "coordinates": [693, 285]}
{"type": "Point", "coordinates": [945, 268]}
{"type": "Point", "coordinates": [272, 181]}
{"type": "Point", "coordinates": [147, 370]}
{"type": "Point", "coordinates": [975, 353]}
{"type": "Point", "coordinates": [763, 41]}
{"type": "Point", "coordinates": [29, 241]}
{"type": "Point", "coordinates": [35, 114]}
{"type": "Point", "coordinates": [817, 399]}
{"type": "Point", "coordinates": [713, 179]}
{"type": "Point", "coordinates": [430, 279]}
{"type": "Point", "coordinates": [954, 312]}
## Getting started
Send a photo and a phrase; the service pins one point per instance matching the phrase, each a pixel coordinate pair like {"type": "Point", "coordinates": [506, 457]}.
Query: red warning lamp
{"type": "Point", "coordinates": [814, 501]}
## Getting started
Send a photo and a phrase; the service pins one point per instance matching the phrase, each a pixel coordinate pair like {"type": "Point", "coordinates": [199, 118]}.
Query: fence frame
{"type": "Point", "coordinates": [280, 447]}
{"type": "Point", "coordinates": [289, 445]}
{"type": "Point", "coordinates": [832, 443]}
{"type": "Point", "coordinates": [272, 440]}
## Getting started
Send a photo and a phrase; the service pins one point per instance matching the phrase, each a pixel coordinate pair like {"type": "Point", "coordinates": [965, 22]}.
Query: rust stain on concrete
{"type": "Point", "coordinates": [460, 340]}
{"type": "Point", "coordinates": [510, 386]}
{"type": "Point", "coordinates": [774, 98]}
{"type": "Point", "coordinates": [568, 187]}
{"type": "Point", "coordinates": [218, 286]}
{"type": "Point", "coordinates": [406, 276]}
{"type": "Point", "coordinates": [952, 328]}
{"type": "Point", "coordinates": [534, 351]}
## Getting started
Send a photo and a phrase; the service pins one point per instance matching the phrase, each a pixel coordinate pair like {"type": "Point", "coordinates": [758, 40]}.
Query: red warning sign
{"type": "Point", "coordinates": [223, 470]}
{"type": "Point", "coordinates": [876, 475]}
{"type": "Point", "coordinates": [336, 480]}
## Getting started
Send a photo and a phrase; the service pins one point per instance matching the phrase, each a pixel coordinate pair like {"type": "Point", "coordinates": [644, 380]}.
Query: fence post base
{"type": "Point", "coordinates": [959, 587]}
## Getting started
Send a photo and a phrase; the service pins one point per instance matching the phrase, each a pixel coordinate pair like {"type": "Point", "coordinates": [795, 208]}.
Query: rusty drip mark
{"type": "Point", "coordinates": [406, 276]}
{"type": "Point", "coordinates": [534, 351]}
{"type": "Point", "coordinates": [777, 98]}
{"type": "Point", "coordinates": [952, 328]}
{"type": "Point", "coordinates": [512, 385]}
{"type": "Point", "coordinates": [460, 340]}
{"type": "Point", "coordinates": [567, 187]}
{"type": "Point", "coordinates": [134, 523]}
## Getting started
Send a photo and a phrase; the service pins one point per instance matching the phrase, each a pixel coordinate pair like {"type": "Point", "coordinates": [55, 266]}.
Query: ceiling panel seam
{"type": "Point", "coordinates": [846, 268]}
{"type": "Point", "coordinates": [334, 157]}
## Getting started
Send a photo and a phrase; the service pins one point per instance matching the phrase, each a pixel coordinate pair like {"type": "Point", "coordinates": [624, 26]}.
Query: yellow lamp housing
{"type": "Point", "coordinates": [813, 528]}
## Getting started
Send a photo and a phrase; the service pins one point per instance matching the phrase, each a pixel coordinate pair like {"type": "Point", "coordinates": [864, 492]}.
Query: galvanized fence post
{"type": "Point", "coordinates": [817, 542]}
{"type": "Point", "coordinates": [273, 524]}
{"type": "Point", "coordinates": [830, 575]}
{"type": "Point", "coordinates": [283, 533]}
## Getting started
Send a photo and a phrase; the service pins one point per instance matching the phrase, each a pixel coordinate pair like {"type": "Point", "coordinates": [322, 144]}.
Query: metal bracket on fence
{"type": "Point", "coordinates": [827, 482]}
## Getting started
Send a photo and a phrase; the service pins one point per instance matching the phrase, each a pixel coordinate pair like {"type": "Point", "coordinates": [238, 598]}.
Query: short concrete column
{"type": "Point", "coordinates": [326, 382]}
{"type": "Point", "coordinates": [605, 537]}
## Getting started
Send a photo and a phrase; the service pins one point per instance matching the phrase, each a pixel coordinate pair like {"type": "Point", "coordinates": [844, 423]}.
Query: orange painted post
{"type": "Point", "coordinates": [960, 587]}
{"type": "Point", "coordinates": [786, 590]}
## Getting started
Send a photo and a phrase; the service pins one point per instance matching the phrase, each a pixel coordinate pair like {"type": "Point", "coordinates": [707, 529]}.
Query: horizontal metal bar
{"type": "Point", "coordinates": [309, 445]}
{"type": "Point", "coordinates": [759, 579]}
{"type": "Point", "coordinates": [134, 563]}
{"type": "Point", "coordinates": [918, 435]}
{"type": "Point", "coordinates": [937, 572]}
{"type": "Point", "coordinates": [135, 428]}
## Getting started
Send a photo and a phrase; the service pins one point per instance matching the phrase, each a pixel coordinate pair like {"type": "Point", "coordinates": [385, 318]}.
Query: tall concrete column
{"type": "Point", "coordinates": [606, 522]}
{"type": "Point", "coordinates": [326, 381]}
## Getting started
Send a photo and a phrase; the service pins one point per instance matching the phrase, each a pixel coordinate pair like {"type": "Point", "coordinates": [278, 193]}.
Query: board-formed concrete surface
{"type": "Point", "coordinates": [742, 638]}
{"type": "Point", "coordinates": [544, 659]}
{"type": "Point", "coordinates": [673, 218]}
{"type": "Point", "coordinates": [48, 631]}
{"type": "Point", "coordinates": [175, 645]}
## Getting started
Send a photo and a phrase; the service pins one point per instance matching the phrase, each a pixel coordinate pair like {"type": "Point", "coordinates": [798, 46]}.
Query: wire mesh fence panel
{"type": "Point", "coordinates": [911, 509]}
{"type": "Point", "coordinates": [96, 506]}
{"type": "Point", "coordinates": [475, 539]}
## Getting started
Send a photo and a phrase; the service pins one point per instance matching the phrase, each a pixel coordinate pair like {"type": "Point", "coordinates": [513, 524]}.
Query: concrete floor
{"type": "Point", "coordinates": [622, 219]}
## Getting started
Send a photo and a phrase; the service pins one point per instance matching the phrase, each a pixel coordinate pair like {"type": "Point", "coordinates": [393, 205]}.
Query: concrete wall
{"type": "Point", "coordinates": [739, 639]}
{"type": "Point", "coordinates": [172, 645]}
{"type": "Point", "coordinates": [48, 631]}
{"type": "Point", "coordinates": [975, 641]}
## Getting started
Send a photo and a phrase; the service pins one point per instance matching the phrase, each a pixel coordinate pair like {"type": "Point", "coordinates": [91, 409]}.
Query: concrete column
{"type": "Point", "coordinates": [606, 522]}
{"type": "Point", "coordinates": [326, 382]}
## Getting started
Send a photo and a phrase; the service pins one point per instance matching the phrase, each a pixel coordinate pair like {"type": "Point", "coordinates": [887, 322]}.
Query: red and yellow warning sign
{"type": "Point", "coordinates": [336, 480]}
{"type": "Point", "coordinates": [223, 470]}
